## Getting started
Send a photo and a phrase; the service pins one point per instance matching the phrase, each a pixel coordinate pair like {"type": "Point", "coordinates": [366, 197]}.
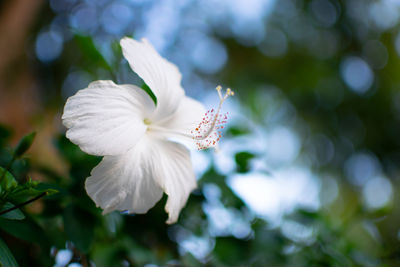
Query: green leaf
{"type": "Point", "coordinates": [7, 181]}
{"type": "Point", "coordinates": [237, 131]}
{"type": "Point", "coordinates": [6, 258]}
{"type": "Point", "coordinates": [242, 160]}
{"type": "Point", "coordinates": [24, 144]}
{"type": "Point", "coordinates": [79, 227]}
{"type": "Point", "coordinates": [5, 133]}
{"type": "Point", "coordinates": [21, 195]}
{"type": "Point", "coordinates": [28, 190]}
{"type": "Point", "coordinates": [89, 50]}
{"type": "Point", "coordinates": [147, 89]}
{"type": "Point", "coordinates": [50, 192]}
{"type": "Point", "coordinates": [15, 214]}
{"type": "Point", "coordinates": [26, 229]}
{"type": "Point", "coordinates": [231, 251]}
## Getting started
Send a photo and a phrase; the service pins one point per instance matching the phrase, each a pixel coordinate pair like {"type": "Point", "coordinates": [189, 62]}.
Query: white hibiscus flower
{"type": "Point", "coordinates": [123, 124]}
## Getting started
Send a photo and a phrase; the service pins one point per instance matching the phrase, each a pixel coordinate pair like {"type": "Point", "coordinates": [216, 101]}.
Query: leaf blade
{"type": "Point", "coordinates": [6, 257]}
{"type": "Point", "coordinates": [15, 214]}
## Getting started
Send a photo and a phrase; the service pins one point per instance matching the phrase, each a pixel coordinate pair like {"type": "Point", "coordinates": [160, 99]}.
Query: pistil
{"type": "Point", "coordinates": [208, 132]}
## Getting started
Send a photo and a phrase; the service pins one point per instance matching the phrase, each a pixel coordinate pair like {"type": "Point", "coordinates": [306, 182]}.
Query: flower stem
{"type": "Point", "coordinates": [24, 203]}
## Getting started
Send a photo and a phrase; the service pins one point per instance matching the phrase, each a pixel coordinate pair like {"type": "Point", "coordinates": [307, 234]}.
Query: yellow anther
{"type": "Point", "coordinates": [219, 88]}
{"type": "Point", "coordinates": [229, 91]}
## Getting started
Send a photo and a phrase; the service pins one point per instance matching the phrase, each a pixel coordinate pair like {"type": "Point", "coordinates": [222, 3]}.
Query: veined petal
{"type": "Point", "coordinates": [185, 119]}
{"type": "Point", "coordinates": [163, 77]}
{"type": "Point", "coordinates": [107, 119]}
{"type": "Point", "coordinates": [174, 173]}
{"type": "Point", "coordinates": [125, 182]}
{"type": "Point", "coordinates": [135, 181]}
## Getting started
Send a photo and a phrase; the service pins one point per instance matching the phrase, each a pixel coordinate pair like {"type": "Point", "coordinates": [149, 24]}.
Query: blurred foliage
{"type": "Point", "coordinates": [302, 88]}
{"type": "Point", "coordinates": [69, 220]}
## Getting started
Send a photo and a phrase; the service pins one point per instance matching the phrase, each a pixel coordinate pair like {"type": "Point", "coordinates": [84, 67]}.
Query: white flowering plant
{"type": "Point", "coordinates": [133, 133]}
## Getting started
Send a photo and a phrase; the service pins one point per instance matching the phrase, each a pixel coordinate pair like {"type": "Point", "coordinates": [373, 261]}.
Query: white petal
{"type": "Point", "coordinates": [125, 182]}
{"type": "Point", "coordinates": [107, 119]}
{"type": "Point", "coordinates": [174, 173]}
{"type": "Point", "coordinates": [186, 118]}
{"type": "Point", "coordinates": [163, 77]}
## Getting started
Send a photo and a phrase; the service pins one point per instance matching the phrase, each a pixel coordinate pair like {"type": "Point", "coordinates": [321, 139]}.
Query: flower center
{"type": "Point", "coordinates": [147, 121]}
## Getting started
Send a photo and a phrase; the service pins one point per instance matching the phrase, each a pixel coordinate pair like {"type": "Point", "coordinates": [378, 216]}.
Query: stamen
{"type": "Point", "coordinates": [208, 132]}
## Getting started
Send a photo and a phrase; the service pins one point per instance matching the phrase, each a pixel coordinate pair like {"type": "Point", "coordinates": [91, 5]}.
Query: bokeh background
{"type": "Point", "coordinates": [308, 170]}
